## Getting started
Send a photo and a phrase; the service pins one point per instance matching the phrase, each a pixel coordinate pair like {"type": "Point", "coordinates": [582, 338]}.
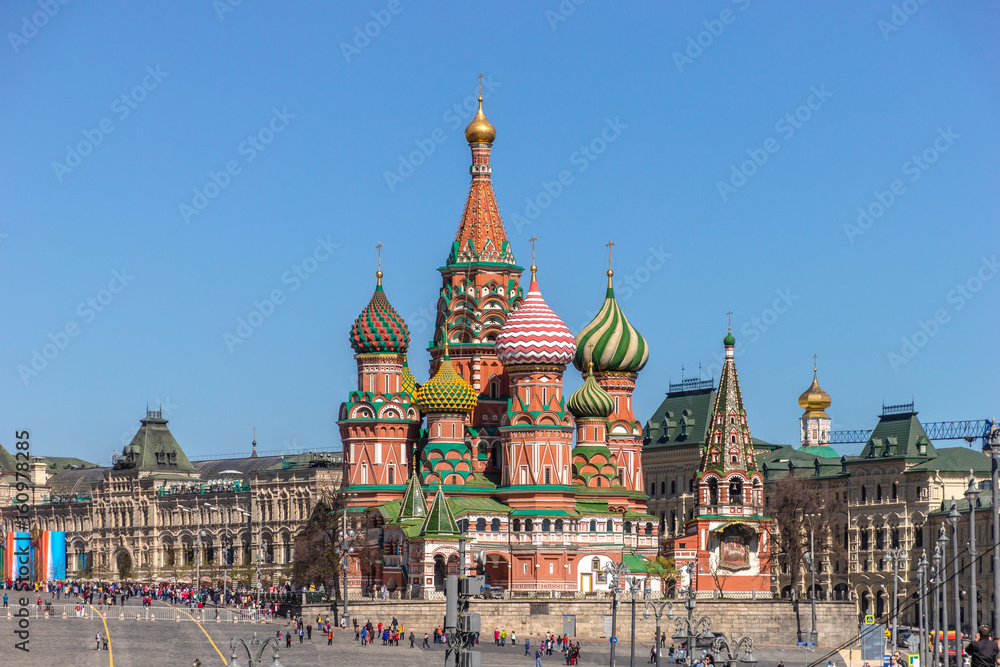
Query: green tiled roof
{"type": "Point", "coordinates": [412, 505]}
{"type": "Point", "coordinates": [592, 507]}
{"type": "Point", "coordinates": [898, 436]}
{"type": "Point", "coordinates": [472, 505]}
{"type": "Point", "coordinates": [635, 562]}
{"type": "Point", "coordinates": [681, 419]}
{"type": "Point", "coordinates": [956, 460]}
{"type": "Point", "coordinates": [786, 461]}
{"type": "Point", "coordinates": [539, 513]}
{"type": "Point", "coordinates": [823, 451]}
{"type": "Point", "coordinates": [440, 522]}
{"type": "Point", "coordinates": [154, 449]}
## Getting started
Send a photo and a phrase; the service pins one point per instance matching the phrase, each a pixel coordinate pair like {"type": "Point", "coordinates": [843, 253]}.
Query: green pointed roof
{"type": "Point", "coordinates": [728, 431]}
{"type": "Point", "coordinates": [440, 521]}
{"type": "Point", "coordinates": [154, 449]}
{"type": "Point", "coordinates": [898, 434]}
{"type": "Point", "coordinates": [412, 506]}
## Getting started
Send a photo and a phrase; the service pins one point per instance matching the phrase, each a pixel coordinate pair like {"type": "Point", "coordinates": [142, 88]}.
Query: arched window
{"type": "Point", "coordinates": [495, 525]}
{"type": "Point", "coordinates": [663, 488]}
{"type": "Point", "coordinates": [546, 525]}
{"type": "Point", "coordinates": [736, 492]}
{"type": "Point", "coordinates": [611, 526]}
{"type": "Point", "coordinates": [517, 525]}
{"type": "Point", "coordinates": [628, 528]}
{"type": "Point", "coordinates": [559, 525]}
{"type": "Point", "coordinates": [481, 525]}
{"type": "Point", "coordinates": [598, 481]}
{"type": "Point", "coordinates": [864, 494]}
{"type": "Point", "coordinates": [528, 525]}
{"type": "Point", "coordinates": [878, 493]}
{"type": "Point", "coordinates": [595, 564]}
{"type": "Point", "coordinates": [673, 487]}
{"type": "Point", "coordinates": [895, 491]}
{"type": "Point", "coordinates": [649, 529]}
{"type": "Point", "coordinates": [392, 475]}
{"type": "Point", "coordinates": [713, 492]}
{"type": "Point", "coordinates": [593, 527]}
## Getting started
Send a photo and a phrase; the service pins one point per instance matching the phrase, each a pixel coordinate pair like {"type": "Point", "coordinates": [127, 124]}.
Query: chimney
{"type": "Point", "coordinates": [38, 466]}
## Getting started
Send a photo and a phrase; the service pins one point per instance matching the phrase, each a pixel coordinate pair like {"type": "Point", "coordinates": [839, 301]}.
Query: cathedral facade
{"type": "Point", "coordinates": [489, 449]}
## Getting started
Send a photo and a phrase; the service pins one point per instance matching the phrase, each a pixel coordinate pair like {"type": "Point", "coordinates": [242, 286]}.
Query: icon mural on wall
{"type": "Point", "coordinates": [735, 552]}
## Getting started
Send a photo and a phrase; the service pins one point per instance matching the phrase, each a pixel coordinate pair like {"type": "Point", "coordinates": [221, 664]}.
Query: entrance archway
{"type": "Point", "coordinates": [497, 571]}
{"type": "Point", "coordinates": [440, 570]}
{"type": "Point", "coordinates": [124, 565]}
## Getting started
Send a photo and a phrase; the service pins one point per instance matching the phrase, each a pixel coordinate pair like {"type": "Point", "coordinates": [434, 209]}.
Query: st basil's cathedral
{"type": "Point", "coordinates": [550, 487]}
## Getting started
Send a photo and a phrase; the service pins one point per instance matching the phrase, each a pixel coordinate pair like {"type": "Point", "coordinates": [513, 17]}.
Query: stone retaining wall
{"type": "Point", "coordinates": [769, 622]}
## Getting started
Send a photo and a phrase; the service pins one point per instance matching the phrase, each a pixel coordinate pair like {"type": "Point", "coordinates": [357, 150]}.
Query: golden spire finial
{"type": "Point", "coordinates": [590, 367]}
{"type": "Point", "coordinates": [610, 244]}
{"type": "Point", "coordinates": [533, 267]}
{"type": "Point", "coordinates": [378, 274]}
{"type": "Point", "coordinates": [480, 77]}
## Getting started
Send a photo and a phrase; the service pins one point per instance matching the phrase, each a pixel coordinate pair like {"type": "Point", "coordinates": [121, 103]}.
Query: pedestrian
{"type": "Point", "coordinates": [288, 640]}
{"type": "Point", "coordinates": [503, 637]}
{"type": "Point", "coordinates": [98, 640]}
{"type": "Point", "coordinates": [513, 638]}
{"type": "Point", "coordinates": [538, 657]}
{"type": "Point", "coordinates": [670, 654]}
{"type": "Point", "coordinates": [652, 654]}
{"type": "Point", "coordinates": [983, 651]}
{"type": "Point", "coordinates": [4, 599]}
{"type": "Point", "coordinates": [527, 646]}
{"type": "Point", "coordinates": [412, 638]}
{"type": "Point", "coordinates": [104, 641]}
{"type": "Point", "coordinates": [426, 645]}
{"type": "Point", "coordinates": [496, 632]}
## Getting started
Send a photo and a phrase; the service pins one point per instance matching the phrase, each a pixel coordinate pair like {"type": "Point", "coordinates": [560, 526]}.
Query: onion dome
{"type": "Point", "coordinates": [407, 383]}
{"type": "Point", "coordinates": [610, 341]}
{"type": "Point", "coordinates": [815, 400]}
{"type": "Point", "coordinates": [590, 400]}
{"type": "Point", "coordinates": [379, 328]}
{"type": "Point", "coordinates": [729, 341]}
{"type": "Point", "coordinates": [447, 391]}
{"type": "Point", "coordinates": [534, 334]}
{"type": "Point", "coordinates": [480, 130]}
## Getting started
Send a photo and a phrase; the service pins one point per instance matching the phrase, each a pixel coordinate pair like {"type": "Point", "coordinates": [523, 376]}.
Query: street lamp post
{"type": "Point", "coordinates": [943, 542]}
{"type": "Point", "coordinates": [992, 443]}
{"type": "Point", "coordinates": [895, 556]}
{"type": "Point", "coordinates": [658, 608]}
{"type": "Point", "coordinates": [922, 607]}
{"type": "Point", "coordinates": [729, 650]}
{"type": "Point", "coordinates": [345, 553]}
{"type": "Point", "coordinates": [953, 517]}
{"type": "Point", "coordinates": [972, 495]}
{"type": "Point", "coordinates": [615, 572]}
{"type": "Point", "coordinates": [932, 605]}
{"type": "Point", "coordinates": [197, 558]}
{"type": "Point", "coordinates": [254, 646]}
{"type": "Point", "coordinates": [691, 627]}
{"type": "Point", "coordinates": [812, 516]}
{"type": "Point", "coordinates": [633, 589]}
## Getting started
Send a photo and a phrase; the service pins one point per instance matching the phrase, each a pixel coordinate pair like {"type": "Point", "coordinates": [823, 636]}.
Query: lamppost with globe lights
{"type": "Point", "coordinates": [922, 609]}
{"type": "Point", "coordinates": [812, 516]}
{"type": "Point", "coordinates": [991, 446]}
{"type": "Point", "coordinates": [345, 555]}
{"type": "Point", "coordinates": [633, 589]}
{"type": "Point", "coordinates": [972, 496]}
{"type": "Point", "coordinates": [896, 556]}
{"type": "Point", "coordinates": [735, 650]}
{"type": "Point", "coordinates": [658, 609]}
{"type": "Point", "coordinates": [689, 629]}
{"type": "Point", "coordinates": [953, 517]}
{"type": "Point", "coordinates": [616, 572]}
{"type": "Point", "coordinates": [253, 646]}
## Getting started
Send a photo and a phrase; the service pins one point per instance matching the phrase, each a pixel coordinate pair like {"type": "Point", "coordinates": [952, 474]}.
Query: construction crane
{"type": "Point", "coordinates": [969, 430]}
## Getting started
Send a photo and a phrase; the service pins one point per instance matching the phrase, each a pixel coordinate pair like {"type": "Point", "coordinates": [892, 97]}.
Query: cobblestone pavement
{"type": "Point", "coordinates": [70, 641]}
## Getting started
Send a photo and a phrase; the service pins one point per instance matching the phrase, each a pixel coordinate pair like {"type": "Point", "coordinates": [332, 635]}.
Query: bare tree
{"type": "Point", "coordinates": [318, 556]}
{"type": "Point", "coordinates": [790, 500]}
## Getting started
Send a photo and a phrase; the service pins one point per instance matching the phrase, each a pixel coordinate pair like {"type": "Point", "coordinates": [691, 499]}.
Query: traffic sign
{"type": "Point", "coordinates": [613, 640]}
{"type": "Point", "coordinates": [806, 644]}
{"type": "Point", "coordinates": [914, 660]}
{"type": "Point", "coordinates": [869, 619]}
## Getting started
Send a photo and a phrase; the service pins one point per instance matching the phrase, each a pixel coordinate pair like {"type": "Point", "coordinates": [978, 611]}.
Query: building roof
{"type": "Point", "coordinates": [898, 435]}
{"type": "Point", "coordinates": [682, 418]}
{"type": "Point", "coordinates": [956, 460]}
{"type": "Point", "coordinates": [412, 505]}
{"type": "Point", "coordinates": [534, 334]}
{"type": "Point", "coordinates": [75, 481]}
{"type": "Point", "coordinates": [610, 341]}
{"type": "Point", "coordinates": [823, 451]}
{"type": "Point", "coordinates": [154, 449]}
{"type": "Point", "coordinates": [379, 328]}
{"type": "Point", "coordinates": [786, 461]}
{"type": "Point", "coordinates": [440, 522]}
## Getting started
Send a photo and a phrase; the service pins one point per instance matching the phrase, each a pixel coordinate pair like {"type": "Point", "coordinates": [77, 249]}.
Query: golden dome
{"type": "Point", "coordinates": [815, 400]}
{"type": "Point", "coordinates": [480, 130]}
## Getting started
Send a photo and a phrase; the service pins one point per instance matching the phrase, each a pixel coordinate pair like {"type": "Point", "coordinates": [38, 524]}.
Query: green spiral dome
{"type": "Point", "coordinates": [610, 341]}
{"type": "Point", "coordinates": [590, 400]}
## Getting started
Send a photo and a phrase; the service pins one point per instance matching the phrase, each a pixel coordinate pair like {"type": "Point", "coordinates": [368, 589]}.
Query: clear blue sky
{"type": "Point", "coordinates": [331, 120]}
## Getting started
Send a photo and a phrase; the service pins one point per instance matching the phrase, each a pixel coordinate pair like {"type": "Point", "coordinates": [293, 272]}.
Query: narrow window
{"type": "Point", "coordinates": [548, 475]}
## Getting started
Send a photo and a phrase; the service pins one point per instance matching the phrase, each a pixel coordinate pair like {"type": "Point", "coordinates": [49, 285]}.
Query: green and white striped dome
{"type": "Point", "coordinates": [590, 400]}
{"type": "Point", "coordinates": [610, 341]}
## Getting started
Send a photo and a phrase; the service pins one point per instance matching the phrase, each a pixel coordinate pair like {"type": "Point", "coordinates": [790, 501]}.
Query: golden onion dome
{"type": "Point", "coordinates": [815, 400]}
{"type": "Point", "coordinates": [480, 130]}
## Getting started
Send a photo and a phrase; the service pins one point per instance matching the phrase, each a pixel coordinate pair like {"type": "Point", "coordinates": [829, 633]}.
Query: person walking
{"type": "Point", "coordinates": [538, 657]}
{"type": "Point", "coordinates": [302, 635]}
{"type": "Point", "coordinates": [503, 637]}
{"type": "Point", "coordinates": [329, 637]}
{"type": "Point", "coordinates": [412, 639]}
{"type": "Point", "coordinates": [288, 640]}
{"type": "Point", "coordinates": [309, 632]}
{"type": "Point", "coordinates": [513, 638]}
{"type": "Point", "coordinates": [98, 640]}
{"type": "Point", "coordinates": [527, 646]}
{"type": "Point", "coordinates": [4, 599]}
{"type": "Point", "coordinates": [426, 645]}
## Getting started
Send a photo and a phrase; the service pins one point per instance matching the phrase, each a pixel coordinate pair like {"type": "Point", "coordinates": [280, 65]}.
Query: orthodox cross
{"type": "Point", "coordinates": [730, 316]}
{"type": "Point", "coordinates": [609, 245]}
{"type": "Point", "coordinates": [480, 77]}
{"type": "Point", "coordinates": [378, 247]}
{"type": "Point", "coordinates": [814, 364]}
{"type": "Point", "coordinates": [532, 240]}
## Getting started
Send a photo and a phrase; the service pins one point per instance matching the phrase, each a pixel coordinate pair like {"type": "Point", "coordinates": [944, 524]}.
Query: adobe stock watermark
{"type": "Point", "coordinates": [30, 25]}
{"type": "Point", "coordinates": [363, 37]}
{"type": "Point", "coordinates": [786, 126]}
{"type": "Point", "coordinates": [901, 13]}
{"type": "Point", "coordinates": [122, 107]}
{"type": "Point", "coordinates": [754, 328]}
{"type": "Point", "coordinates": [706, 38]}
{"type": "Point", "coordinates": [86, 312]}
{"type": "Point", "coordinates": [263, 309]}
{"type": "Point", "coordinates": [223, 7]}
{"type": "Point", "coordinates": [248, 149]}
{"type": "Point", "coordinates": [956, 298]}
{"type": "Point", "coordinates": [562, 12]}
{"type": "Point", "coordinates": [914, 168]}
{"type": "Point", "coordinates": [581, 158]}
{"type": "Point", "coordinates": [456, 116]}
{"type": "Point", "coordinates": [628, 283]}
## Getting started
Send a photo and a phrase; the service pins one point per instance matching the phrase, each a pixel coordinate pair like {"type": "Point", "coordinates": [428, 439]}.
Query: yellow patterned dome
{"type": "Point", "coordinates": [408, 383]}
{"type": "Point", "coordinates": [447, 391]}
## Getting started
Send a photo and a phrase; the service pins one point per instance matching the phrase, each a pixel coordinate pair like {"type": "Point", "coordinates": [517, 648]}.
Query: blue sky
{"type": "Point", "coordinates": [739, 141]}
